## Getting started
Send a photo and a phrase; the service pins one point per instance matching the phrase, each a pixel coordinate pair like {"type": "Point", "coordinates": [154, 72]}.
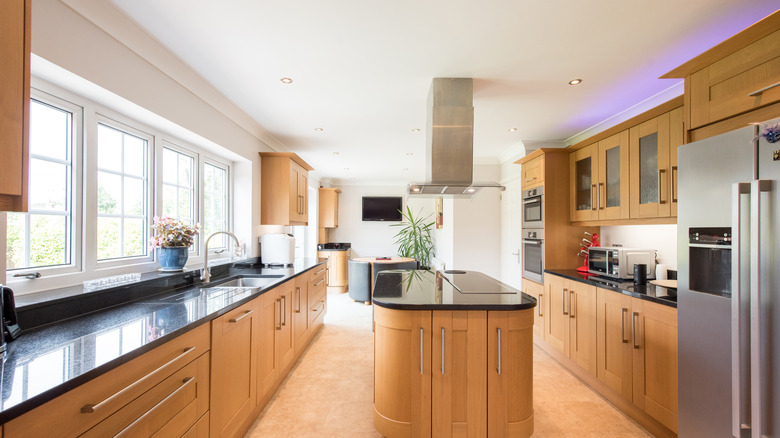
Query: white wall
{"type": "Point", "coordinates": [662, 238]}
{"type": "Point", "coordinates": [370, 239]}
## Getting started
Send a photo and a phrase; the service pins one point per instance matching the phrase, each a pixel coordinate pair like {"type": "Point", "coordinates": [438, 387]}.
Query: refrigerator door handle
{"type": "Point", "coordinates": [758, 341]}
{"type": "Point", "coordinates": [740, 382]}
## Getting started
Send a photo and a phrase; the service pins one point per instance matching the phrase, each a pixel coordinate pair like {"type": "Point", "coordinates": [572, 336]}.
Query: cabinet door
{"type": "Point", "coordinates": [285, 349]}
{"type": "Point", "coordinates": [338, 269]}
{"type": "Point", "coordinates": [533, 173]}
{"type": "Point", "coordinates": [458, 374]}
{"type": "Point", "coordinates": [557, 319]}
{"type": "Point", "coordinates": [295, 195]}
{"type": "Point", "coordinates": [303, 194]}
{"type": "Point", "coordinates": [649, 168]}
{"type": "Point", "coordinates": [300, 312]}
{"type": "Point", "coordinates": [654, 343]}
{"type": "Point", "coordinates": [270, 321]}
{"type": "Point", "coordinates": [402, 372]}
{"type": "Point", "coordinates": [581, 343]}
{"type": "Point", "coordinates": [233, 370]}
{"type": "Point", "coordinates": [15, 103]}
{"type": "Point", "coordinates": [536, 290]}
{"type": "Point", "coordinates": [510, 373]}
{"type": "Point", "coordinates": [676, 139]}
{"type": "Point", "coordinates": [583, 176]}
{"type": "Point", "coordinates": [612, 197]}
{"type": "Point", "coordinates": [614, 341]}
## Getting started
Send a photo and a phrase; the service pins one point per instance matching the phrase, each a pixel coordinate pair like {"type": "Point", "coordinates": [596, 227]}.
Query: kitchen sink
{"type": "Point", "coordinates": [259, 281]}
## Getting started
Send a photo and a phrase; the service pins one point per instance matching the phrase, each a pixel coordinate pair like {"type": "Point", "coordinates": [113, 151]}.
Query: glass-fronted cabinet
{"type": "Point", "coordinates": [583, 175]}
{"type": "Point", "coordinates": [612, 194]}
{"type": "Point", "coordinates": [650, 169]}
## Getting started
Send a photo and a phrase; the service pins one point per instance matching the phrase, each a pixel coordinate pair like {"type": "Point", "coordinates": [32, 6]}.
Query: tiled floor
{"type": "Point", "coordinates": [329, 393]}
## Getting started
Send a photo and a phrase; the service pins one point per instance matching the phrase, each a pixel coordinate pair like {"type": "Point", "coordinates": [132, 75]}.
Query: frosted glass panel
{"type": "Point", "coordinates": [648, 169]}
{"type": "Point", "coordinates": [583, 178]}
{"type": "Point", "coordinates": [613, 177]}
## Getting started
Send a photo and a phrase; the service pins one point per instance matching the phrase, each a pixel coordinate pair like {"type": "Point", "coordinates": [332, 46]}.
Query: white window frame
{"type": "Point", "coordinates": [76, 204]}
{"type": "Point", "coordinates": [92, 211]}
{"type": "Point", "coordinates": [213, 161]}
{"type": "Point", "coordinates": [196, 155]}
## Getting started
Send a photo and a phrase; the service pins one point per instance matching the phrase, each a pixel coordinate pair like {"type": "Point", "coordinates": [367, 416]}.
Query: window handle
{"type": "Point", "coordinates": [29, 275]}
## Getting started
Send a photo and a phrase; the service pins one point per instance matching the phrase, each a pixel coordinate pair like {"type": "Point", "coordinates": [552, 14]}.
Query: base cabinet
{"type": "Point", "coordinates": [338, 261]}
{"type": "Point", "coordinates": [536, 290]}
{"type": "Point", "coordinates": [453, 373]}
{"type": "Point", "coordinates": [300, 313]}
{"type": "Point", "coordinates": [571, 320]}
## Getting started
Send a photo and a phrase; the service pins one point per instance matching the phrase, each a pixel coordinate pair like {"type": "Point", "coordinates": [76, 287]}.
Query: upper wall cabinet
{"type": "Point", "coordinates": [284, 189]}
{"type": "Point", "coordinates": [735, 82]}
{"type": "Point", "coordinates": [15, 102]}
{"type": "Point", "coordinates": [533, 173]}
{"type": "Point", "coordinates": [599, 180]}
{"type": "Point", "coordinates": [329, 207]}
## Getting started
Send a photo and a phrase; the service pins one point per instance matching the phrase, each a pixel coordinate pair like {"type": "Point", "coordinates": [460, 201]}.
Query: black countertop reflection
{"type": "Point", "coordinates": [46, 362]}
{"type": "Point", "coordinates": [649, 292]}
{"type": "Point", "coordinates": [448, 290]}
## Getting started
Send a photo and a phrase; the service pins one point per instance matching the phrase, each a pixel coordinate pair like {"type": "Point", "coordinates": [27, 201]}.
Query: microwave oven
{"type": "Point", "coordinates": [619, 262]}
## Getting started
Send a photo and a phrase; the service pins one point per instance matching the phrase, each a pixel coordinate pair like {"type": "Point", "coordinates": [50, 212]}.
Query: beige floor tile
{"type": "Point", "coordinates": [329, 393]}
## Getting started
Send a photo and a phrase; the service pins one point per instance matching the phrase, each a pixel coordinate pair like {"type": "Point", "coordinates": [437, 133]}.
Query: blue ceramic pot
{"type": "Point", "coordinates": [172, 258]}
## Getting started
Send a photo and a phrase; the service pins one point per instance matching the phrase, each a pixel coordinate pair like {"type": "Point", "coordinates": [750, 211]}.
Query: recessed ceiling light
{"type": "Point", "coordinates": [470, 190]}
{"type": "Point", "coordinates": [406, 168]}
{"type": "Point", "coordinates": [512, 129]}
{"type": "Point", "coordinates": [286, 80]}
{"type": "Point", "coordinates": [415, 189]}
{"type": "Point", "coordinates": [416, 130]}
{"type": "Point", "coordinates": [346, 168]}
{"type": "Point", "coordinates": [335, 153]}
{"type": "Point", "coordinates": [410, 153]}
{"type": "Point", "coordinates": [318, 129]}
{"type": "Point", "coordinates": [575, 81]}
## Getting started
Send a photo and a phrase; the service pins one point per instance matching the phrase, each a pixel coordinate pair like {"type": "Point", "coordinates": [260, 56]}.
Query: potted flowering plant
{"type": "Point", "coordinates": [172, 241]}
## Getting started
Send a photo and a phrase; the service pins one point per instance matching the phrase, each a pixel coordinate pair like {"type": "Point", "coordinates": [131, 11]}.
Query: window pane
{"type": "Point", "coordinates": [109, 193]}
{"type": "Point", "coordinates": [16, 241]}
{"type": "Point", "coordinates": [169, 166]}
{"type": "Point", "coordinates": [50, 130]}
{"type": "Point", "coordinates": [108, 238]}
{"type": "Point", "coordinates": [134, 196]}
{"type": "Point", "coordinates": [185, 170]}
{"type": "Point", "coordinates": [109, 148]}
{"type": "Point", "coordinates": [47, 240]}
{"type": "Point", "coordinates": [48, 185]}
{"type": "Point", "coordinates": [185, 205]}
{"type": "Point", "coordinates": [134, 237]}
{"type": "Point", "coordinates": [169, 201]}
{"type": "Point", "coordinates": [134, 155]}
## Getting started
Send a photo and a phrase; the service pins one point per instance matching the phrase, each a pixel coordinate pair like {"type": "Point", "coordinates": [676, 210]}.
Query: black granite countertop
{"type": "Point", "coordinates": [48, 361]}
{"type": "Point", "coordinates": [649, 292]}
{"type": "Point", "coordinates": [448, 290]}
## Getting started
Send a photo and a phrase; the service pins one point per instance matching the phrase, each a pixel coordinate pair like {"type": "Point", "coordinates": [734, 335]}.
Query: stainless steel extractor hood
{"type": "Point", "coordinates": [450, 141]}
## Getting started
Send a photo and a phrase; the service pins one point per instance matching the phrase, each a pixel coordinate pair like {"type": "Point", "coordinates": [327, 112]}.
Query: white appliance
{"type": "Point", "coordinates": [277, 249]}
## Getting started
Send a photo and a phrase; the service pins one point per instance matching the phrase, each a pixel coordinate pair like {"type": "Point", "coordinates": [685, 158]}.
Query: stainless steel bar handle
{"type": "Point", "coordinates": [759, 348]}
{"type": "Point", "coordinates": [672, 183]}
{"type": "Point", "coordinates": [298, 310]}
{"type": "Point", "coordinates": [530, 179]}
{"type": "Point", "coordinates": [499, 350]}
{"type": "Point", "coordinates": [739, 376]}
{"type": "Point", "coordinates": [442, 350]}
{"type": "Point", "coordinates": [539, 304]}
{"type": "Point", "coordinates": [247, 313]}
{"type": "Point", "coordinates": [422, 343]}
{"type": "Point", "coordinates": [284, 310]}
{"type": "Point", "coordinates": [319, 282]}
{"type": "Point", "coordinates": [623, 313]}
{"type": "Point", "coordinates": [320, 271]}
{"type": "Point", "coordinates": [279, 327]}
{"type": "Point", "coordinates": [90, 408]}
{"type": "Point", "coordinates": [601, 185]}
{"type": "Point", "coordinates": [572, 297]}
{"type": "Point", "coordinates": [634, 326]}
{"type": "Point", "coordinates": [660, 179]}
{"type": "Point", "coordinates": [761, 90]}
{"type": "Point", "coordinates": [185, 383]}
{"type": "Point", "coordinates": [592, 197]}
{"type": "Point", "coordinates": [564, 292]}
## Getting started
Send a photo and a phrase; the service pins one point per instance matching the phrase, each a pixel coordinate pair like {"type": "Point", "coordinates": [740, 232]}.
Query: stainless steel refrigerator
{"type": "Point", "coordinates": [728, 306]}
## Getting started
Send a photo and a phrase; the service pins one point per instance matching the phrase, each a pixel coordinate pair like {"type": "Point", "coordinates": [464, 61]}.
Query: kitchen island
{"type": "Point", "coordinates": [453, 354]}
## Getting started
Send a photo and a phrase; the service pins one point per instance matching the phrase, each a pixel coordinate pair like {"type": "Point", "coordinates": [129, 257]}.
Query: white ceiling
{"type": "Point", "coordinates": [361, 69]}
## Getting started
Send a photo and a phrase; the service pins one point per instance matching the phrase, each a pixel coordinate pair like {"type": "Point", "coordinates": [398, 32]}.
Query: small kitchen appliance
{"type": "Point", "coordinates": [10, 325]}
{"type": "Point", "coordinates": [618, 262]}
{"type": "Point", "coordinates": [277, 249]}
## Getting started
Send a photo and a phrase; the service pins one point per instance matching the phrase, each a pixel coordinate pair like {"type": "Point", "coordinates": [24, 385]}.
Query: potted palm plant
{"type": "Point", "coordinates": [414, 238]}
{"type": "Point", "coordinates": [172, 242]}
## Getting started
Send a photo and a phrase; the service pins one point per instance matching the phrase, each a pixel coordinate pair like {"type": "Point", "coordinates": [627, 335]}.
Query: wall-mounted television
{"type": "Point", "coordinates": [382, 208]}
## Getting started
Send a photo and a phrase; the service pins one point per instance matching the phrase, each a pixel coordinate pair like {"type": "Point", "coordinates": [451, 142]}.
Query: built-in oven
{"type": "Point", "coordinates": [533, 208]}
{"type": "Point", "coordinates": [533, 255]}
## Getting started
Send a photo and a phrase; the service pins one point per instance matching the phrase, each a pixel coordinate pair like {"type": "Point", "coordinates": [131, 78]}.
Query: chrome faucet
{"type": "Point", "coordinates": [206, 274]}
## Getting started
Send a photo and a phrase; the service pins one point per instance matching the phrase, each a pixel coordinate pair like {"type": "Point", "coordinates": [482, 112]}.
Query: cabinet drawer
{"type": "Point", "coordinates": [317, 311]}
{"type": "Point", "coordinates": [737, 83]}
{"type": "Point", "coordinates": [533, 172]}
{"type": "Point", "coordinates": [109, 393]}
{"type": "Point", "coordinates": [168, 409]}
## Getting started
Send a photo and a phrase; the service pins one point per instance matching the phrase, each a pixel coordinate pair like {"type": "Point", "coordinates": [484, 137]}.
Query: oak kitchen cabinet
{"type": "Point", "coordinates": [637, 353]}
{"type": "Point", "coordinates": [275, 350]}
{"type": "Point", "coordinates": [329, 207]}
{"type": "Point", "coordinates": [15, 23]}
{"type": "Point", "coordinates": [164, 391]}
{"type": "Point", "coordinates": [571, 320]}
{"type": "Point", "coordinates": [338, 265]}
{"type": "Point", "coordinates": [318, 300]}
{"type": "Point", "coordinates": [431, 368]}
{"type": "Point", "coordinates": [599, 180]}
{"type": "Point", "coordinates": [536, 290]}
{"type": "Point", "coordinates": [300, 313]}
{"type": "Point", "coordinates": [284, 189]}
{"type": "Point", "coordinates": [234, 370]}
{"type": "Point", "coordinates": [533, 173]}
